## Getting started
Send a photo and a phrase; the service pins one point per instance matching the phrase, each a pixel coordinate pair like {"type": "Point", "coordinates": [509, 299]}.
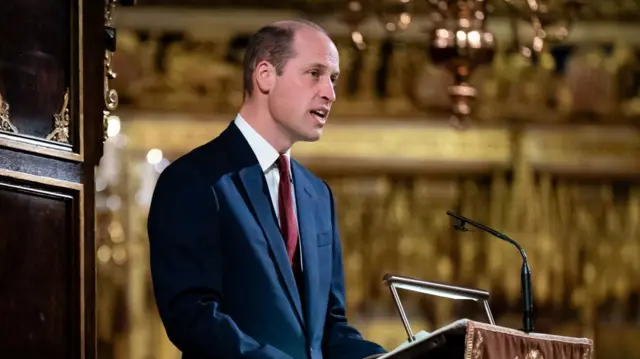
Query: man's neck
{"type": "Point", "coordinates": [264, 126]}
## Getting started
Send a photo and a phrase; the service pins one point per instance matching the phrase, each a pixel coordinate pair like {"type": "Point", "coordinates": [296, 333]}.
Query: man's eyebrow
{"type": "Point", "coordinates": [317, 65]}
{"type": "Point", "coordinates": [323, 67]}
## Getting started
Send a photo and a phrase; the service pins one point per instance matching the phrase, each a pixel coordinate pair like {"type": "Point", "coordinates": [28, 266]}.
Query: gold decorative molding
{"type": "Point", "coordinates": [412, 141]}
{"type": "Point", "coordinates": [110, 95]}
{"type": "Point", "coordinates": [562, 149]}
{"type": "Point", "coordinates": [5, 121]}
{"type": "Point", "coordinates": [61, 122]}
{"type": "Point", "coordinates": [574, 149]}
{"type": "Point", "coordinates": [581, 149]}
{"type": "Point", "coordinates": [196, 21]}
{"type": "Point", "coordinates": [392, 141]}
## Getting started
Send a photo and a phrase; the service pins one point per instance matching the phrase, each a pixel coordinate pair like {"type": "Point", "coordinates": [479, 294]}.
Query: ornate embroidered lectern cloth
{"type": "Point", "coordinates": [485, 341]}
{"type": "Point", "coordinates": [467, 339]}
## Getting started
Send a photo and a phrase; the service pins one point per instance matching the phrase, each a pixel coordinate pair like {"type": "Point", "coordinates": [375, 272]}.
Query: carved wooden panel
{"type": "Point", "coordinates": [39, 60]}
{"type": "Point", "coordinates": [40, 273]}
{"type": "Point", "coordinates": [51, 82]}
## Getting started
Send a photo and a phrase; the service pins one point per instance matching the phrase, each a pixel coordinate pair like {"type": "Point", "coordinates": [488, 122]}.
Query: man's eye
{"type": "Point", "coordinates": [314, 73]}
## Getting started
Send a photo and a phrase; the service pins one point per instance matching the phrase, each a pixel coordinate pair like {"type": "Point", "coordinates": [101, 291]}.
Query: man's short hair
{"type": "Point", "coordinates": [272, 43]}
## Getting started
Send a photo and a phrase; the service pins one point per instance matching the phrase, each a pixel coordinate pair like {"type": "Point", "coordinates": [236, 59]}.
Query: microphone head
{"type": "Point", "coordinates": [458, 224]}
{"type": "Point", "coordinates": [460, 227]}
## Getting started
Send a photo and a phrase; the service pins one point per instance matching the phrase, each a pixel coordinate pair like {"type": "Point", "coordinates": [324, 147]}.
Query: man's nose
{"type": "Point", "coordinates": [328, 91]}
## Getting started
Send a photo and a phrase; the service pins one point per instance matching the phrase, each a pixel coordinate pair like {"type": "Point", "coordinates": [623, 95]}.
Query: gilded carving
{"type": "Point", "coordinates": [110, 95]}
{"type": "Point", "coordinates": [61, 122]}
{"type": "Point", "coordinates": [512, 87]}
{"type": "Point", "coordinates": [5, 121]}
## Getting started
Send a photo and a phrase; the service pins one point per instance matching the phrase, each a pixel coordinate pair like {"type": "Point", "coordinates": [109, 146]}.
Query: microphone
{"type": "Point", "coordinates": [525, 274]}
{"type": "Point", "coordinates": [458, 225]}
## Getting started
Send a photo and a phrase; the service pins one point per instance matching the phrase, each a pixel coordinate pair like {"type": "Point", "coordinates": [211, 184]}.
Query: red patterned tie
{"type": "Point", "coordinates": [288, 223]}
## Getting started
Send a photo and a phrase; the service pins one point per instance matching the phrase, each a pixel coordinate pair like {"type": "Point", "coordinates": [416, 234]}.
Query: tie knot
{"type": "Point", "coordinates": [283, 166]}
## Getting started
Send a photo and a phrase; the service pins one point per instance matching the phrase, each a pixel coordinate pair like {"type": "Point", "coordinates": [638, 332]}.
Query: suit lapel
{"type": "Point", "coordinates": [305, 201]}
{"type": "Point", "coordinates": [256, 187]}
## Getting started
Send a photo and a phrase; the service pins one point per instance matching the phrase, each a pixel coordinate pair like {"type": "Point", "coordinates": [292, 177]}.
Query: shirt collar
{"type": "Point", "coordinates": [264, 152]}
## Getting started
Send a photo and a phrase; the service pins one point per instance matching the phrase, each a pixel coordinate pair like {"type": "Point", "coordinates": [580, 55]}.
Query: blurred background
{"type": "Point", "coordinates": [522, 115]}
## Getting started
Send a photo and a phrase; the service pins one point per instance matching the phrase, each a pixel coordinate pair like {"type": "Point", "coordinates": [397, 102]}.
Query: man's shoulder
{"type": "Point", "coordinates": [199, 163]}
{"type": "Point", "coordinates": [192, 159]}
{"type": "Point", "coordinates": [320, 187]}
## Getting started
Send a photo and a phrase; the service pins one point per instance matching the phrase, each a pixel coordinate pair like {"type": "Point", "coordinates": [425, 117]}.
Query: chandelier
{"type": "Point", "coordinates": [458, 36]}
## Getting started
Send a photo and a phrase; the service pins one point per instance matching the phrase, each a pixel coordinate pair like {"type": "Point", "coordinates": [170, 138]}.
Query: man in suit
{"type": "Point", "coordinates": [245, 252]}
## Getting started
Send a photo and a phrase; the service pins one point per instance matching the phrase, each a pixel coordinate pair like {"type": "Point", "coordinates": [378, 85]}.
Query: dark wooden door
{"type": "Point", "coordinates": [51, 124]}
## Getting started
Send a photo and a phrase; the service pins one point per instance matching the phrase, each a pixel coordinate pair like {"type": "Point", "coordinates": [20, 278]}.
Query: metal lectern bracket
{"type": "Point", "coordinates": [433, 288]}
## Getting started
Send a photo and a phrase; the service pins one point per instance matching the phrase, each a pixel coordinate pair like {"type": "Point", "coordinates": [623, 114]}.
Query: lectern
{"type": "Point", "coordinates": [468, 339]}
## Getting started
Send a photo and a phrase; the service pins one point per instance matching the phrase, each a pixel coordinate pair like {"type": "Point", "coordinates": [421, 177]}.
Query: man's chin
{"type": "Point", "coordinates": [312, 136]}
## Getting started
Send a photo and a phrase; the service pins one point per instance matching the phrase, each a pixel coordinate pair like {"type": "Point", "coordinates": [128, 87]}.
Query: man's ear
{"type": "Point", "coordinates": [265, 75]}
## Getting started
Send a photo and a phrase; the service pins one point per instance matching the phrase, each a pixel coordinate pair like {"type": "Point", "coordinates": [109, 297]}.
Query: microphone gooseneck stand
{"type": "Point", "coordinates": [525, 273]}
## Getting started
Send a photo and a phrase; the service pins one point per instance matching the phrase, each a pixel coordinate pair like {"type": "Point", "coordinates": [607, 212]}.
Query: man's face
{"type": "Point", "coordinates": [302, 96]}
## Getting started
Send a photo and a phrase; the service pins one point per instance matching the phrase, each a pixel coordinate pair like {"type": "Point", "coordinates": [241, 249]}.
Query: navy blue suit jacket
{"type": "Point", "coordinates": [222, 280]}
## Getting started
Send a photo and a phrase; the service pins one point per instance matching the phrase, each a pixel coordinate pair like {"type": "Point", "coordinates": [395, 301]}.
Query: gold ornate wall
{"type": "Point", "coordinates": [569, 197]}
{"type": "Point", "coordinates": [553, 159]}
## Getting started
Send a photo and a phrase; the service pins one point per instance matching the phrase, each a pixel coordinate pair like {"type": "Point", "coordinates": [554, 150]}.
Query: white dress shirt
{"type": "Point", "coordinates": [267, 158]}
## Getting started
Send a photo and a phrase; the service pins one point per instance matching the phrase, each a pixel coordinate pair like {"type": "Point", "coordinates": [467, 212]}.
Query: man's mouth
{"type": "Point", "coordinates": [321, 114]}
